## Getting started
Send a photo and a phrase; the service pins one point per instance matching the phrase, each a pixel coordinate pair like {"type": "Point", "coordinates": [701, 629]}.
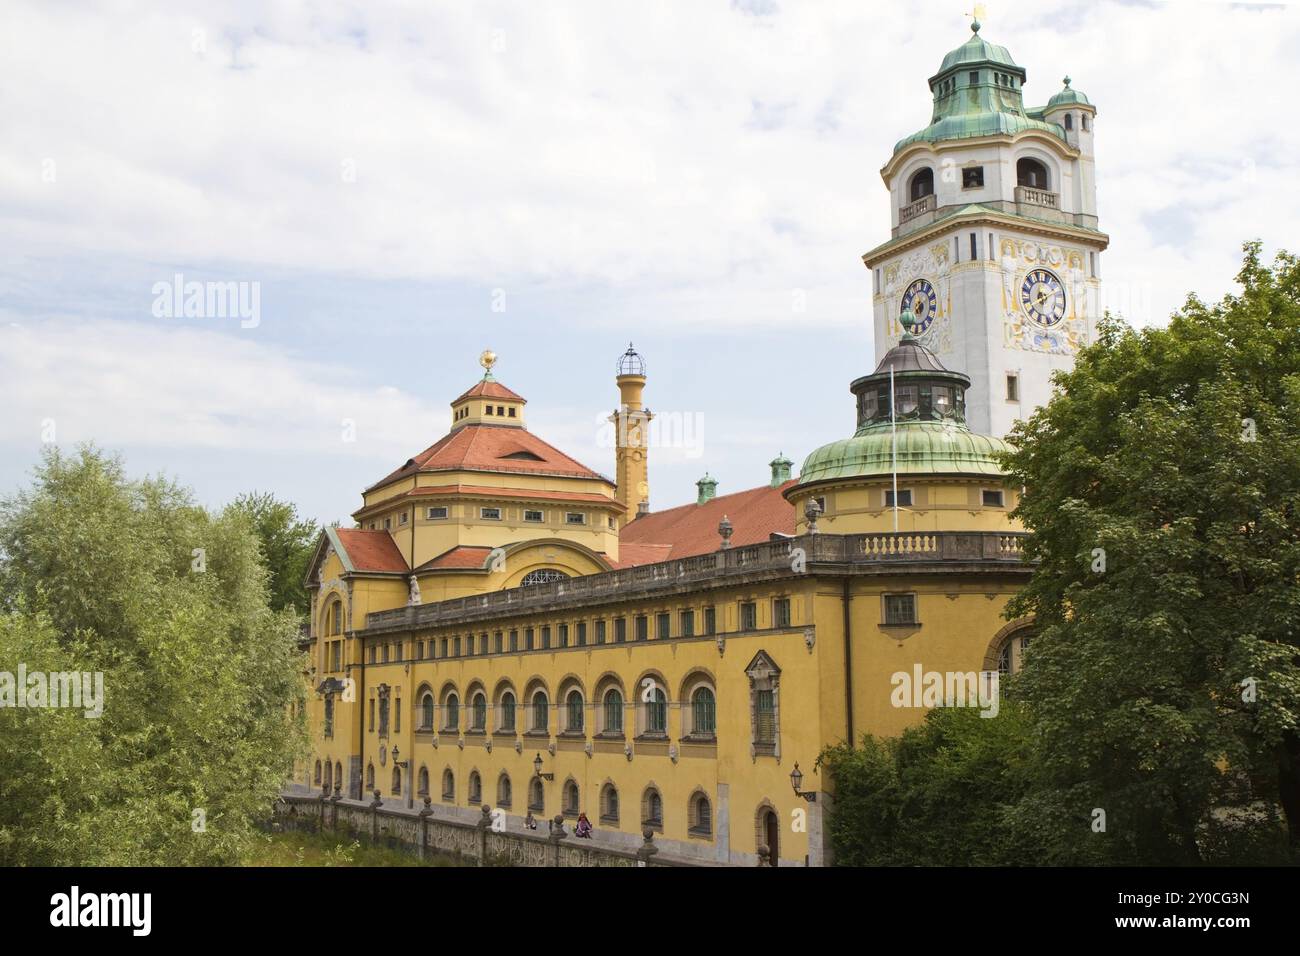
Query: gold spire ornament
{"type": "Point", "coordinates": [487, 360]}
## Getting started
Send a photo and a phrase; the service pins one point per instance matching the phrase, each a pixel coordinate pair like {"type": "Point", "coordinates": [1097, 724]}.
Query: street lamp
{"type": "Point", "coordinates": [537, 769]}
{"type": "Point", "coordinates": [796, 780]}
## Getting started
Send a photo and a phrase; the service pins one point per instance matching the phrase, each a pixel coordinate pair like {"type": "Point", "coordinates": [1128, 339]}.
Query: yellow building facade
{"type": "Point", "coordinates": [506, 627]}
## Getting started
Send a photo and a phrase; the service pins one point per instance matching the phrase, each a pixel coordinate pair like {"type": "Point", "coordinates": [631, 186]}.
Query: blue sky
{"type": "Point", "coordinates": [679, 175]}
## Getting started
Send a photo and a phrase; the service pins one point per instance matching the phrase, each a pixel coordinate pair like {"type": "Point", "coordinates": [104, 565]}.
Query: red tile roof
{"type": "Point", "coordinates": [371, 550]}
{"type": "Point", "coordinates": [458, 557]}
{"type": "Point", "coordinates": [487, 448]}
{"type": "Point", "coordinates": [693, 529]}
{"type": "Point", "coordinates": [491, 390]}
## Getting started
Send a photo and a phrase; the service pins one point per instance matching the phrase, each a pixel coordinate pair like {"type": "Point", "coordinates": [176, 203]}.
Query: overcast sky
{"type": "Point", "coordinates": [409, 184]}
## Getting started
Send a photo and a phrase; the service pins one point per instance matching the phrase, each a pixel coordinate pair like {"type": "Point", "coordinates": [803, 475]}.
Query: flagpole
{"type": "Point", "coordinates": [893, 441]}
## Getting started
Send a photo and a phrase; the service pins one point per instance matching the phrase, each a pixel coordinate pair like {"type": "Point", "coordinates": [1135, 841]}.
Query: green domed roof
{"type": "Point", "coordinates": [924, 448]}
{"type": "Point", "coordinates": [969, 125]}
{"type": "Point", "coordinates": [978, 50]}
{"type": "Point", "coordinates": [1068, 97]}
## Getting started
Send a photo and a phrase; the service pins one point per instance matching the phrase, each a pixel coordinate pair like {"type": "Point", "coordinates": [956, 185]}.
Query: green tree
{"type": "Point", "coordinates": [287, 545]}
{"type": "Point", "coordinates": [99, 573]}
{"type": "Point", "coordinates": [1163, 484]}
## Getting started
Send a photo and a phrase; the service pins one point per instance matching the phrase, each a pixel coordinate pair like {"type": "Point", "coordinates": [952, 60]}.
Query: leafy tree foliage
{"type": "Point", "coordinates": [287, 546]}
{"type": "Point", "coordinates": [100, 573]}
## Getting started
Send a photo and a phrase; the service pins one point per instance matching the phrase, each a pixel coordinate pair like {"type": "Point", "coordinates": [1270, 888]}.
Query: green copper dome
{"type": "Point", "coordinates": [924, 448]}
{"type": "Point", "coordinates": [978, 91]}
{"type": "Point", "coordinates": [1068, 97]}
{"type": "Point", "coordinates": [913, 403]}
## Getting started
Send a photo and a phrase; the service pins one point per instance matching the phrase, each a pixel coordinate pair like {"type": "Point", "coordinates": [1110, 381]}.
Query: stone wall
{"type": "Point", "coordinates": [424, 834]}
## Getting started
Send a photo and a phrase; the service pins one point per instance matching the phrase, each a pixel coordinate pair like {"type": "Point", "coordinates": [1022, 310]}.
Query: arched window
{"type": "Point", "coordinates": [1030, 172]}
{"type": "Point", "coordinates": [609, 804]}
{"type": "Point", "coordinates": [1083, 121]}
{"type": "Point", "coordinates": [451, 712]}
{"type": "Point", "coordinates": [571, 798]}
{"type": "Point", "coordinates": [426, 711]}
{"type": "Point", "coordinates": [478, 712]}
{"type": "Point", "coordinates": [656, 712]}
{"type": "Point", "coordinates": [1069, 121]}
{"type": "Point", "coordinates": [652, 809]}
{"type": "Point", "coordinates": [397, 780]}
{"type": "Point", "coordinates": [503, 791]}
{"type": "Point", "coordinates": [329, 775]}
{"type": "Point", "coordinates": [536, 796]}
{"type": "Point", "coordinates": [541, 713]}
{"type": "Point", "coordinates": [543, 576]}
{"type": "Point", "coordinates": [508, 711]}
{"type": "Point", "coordinates": [573, 712]}
{"type": "Point", "coordinates": [334, 618]}
{"type": "Point", "coordinates": [701, 815]}
{"type": "Point", "coordinates": [704, 720]}
{"type": "Point", "coordinates": [1011, 657]}
{"type": "Point", "coordinates": [424, 781]}
{"type": "Point", "coordinates": [613, 712]}
{"type": "Point", "coordinates": [921, 185]}
{"type": "Point", "coordinates": [338, 776]}
{"type": "Point", "coordinates": [370, 777]}
{"type": "Point", "coordinates": [448, 786]}
{"type": "Point", "coordinates": [318, 776]}
{"type": "Point", "coordinates": [475, 788]}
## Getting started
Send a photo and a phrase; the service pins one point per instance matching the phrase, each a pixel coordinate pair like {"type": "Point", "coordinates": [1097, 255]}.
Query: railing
{"type": "Point", "coordinates": [919, 208]}
{"type": "Point", "coordinates": [1037, 197]}
{"type": "Point", "coordinates": [836, 550]}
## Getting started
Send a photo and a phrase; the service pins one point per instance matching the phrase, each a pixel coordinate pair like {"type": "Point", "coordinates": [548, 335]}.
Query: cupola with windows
{"type": "Point", "coordinates": [488, 402]}
{"type": "Point", "coordinates": [911, 414]}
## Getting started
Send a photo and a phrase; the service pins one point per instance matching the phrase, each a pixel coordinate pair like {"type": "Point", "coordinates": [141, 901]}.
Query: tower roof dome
{"type": "Point", "coordinates": [978, 50]}
{"type": "Point", "coordinates": [1068, 96]}
{"type": "Point", "coordinates": [631, 362]}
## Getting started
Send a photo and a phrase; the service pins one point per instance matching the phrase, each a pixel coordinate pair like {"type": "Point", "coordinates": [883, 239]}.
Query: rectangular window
{"type": "Point", "coordinates": [338, 655]}
{"type": "Point", "coordinates": [514, 641]}
{"type": "Point", "coordinates": [501, 410]}
{"type": "Point", "coordinates": [974, 77]}
{"type": "Point", "coordinates": [620, 630]}
{"type": "Point", "coordinates": [600, 632]}
{"type": "Point", "coordinates": [388, 524]}
{"type": "Point", "coordinates": [900, 608]}
{"type": "Point", "coordinates": [575, 517]}
{"type": "Point", "coordinates": [663, 626]}
{"type": "Point", "coordinates": [445, 644]}
{"type": "Point", "coordinates": [582, 634]}
{"type": "Point", "coordinates": [765, 717]}
{"type": "Point", "coordinates": [512, 412]}
{"type": "Point", "coordinates": [487, 410]}
{"type": "Point", "coordinates": [781, 612]}
{"type": "Point", "coordinates": [1013, 387]}
{"type": "Point", "coordinates": [546, 637]}
{"type": "Point", "coordinates": [436, 514]}
{"type": "Point", "coordinates": [642, 627]}
{"type": "Point", "coordinates": [498, 642]}
{"type": "Point", "coordinates": [455, 647]}
{"type": "Point", "coordinates": [398, 650]}
{"type": "Point", "coordinates": [401, 519]}
{"type": "Point", "coordinates": [688, 623]}
{"type": "Point", "coordinates": [397, 717]}
{"type": "Point", "coordinates": [387, 651]}
{"type": "Point", "coordinates": [904, 497]}
{"type": "Point", "coordinates": [974, 253]}
{"type": "Point", "coordinates": [972, 177]}
{"type": "Point", "coordinates": [419, 650]}
{"type": "Point", "coordinates": [990, 247]}
{"type": "Point", "coordinates": [710, 620]}
{"type": "Point", "coordinates": [371, 725]}
{"type": "Point", "coordinates": [528, 638]}
{"type": "Point", "coordinates": [371, 653]}
{"type": "Point", "coordinates": [992, 499]}
{"type": "Point", "coordinates": [748, 615]}
{"type": "Point", "coordinates": [532, 516]}
{"type": "Point", "coordinates": [482, 643]}
{"type": "Point", "coordinates": [490, 514]}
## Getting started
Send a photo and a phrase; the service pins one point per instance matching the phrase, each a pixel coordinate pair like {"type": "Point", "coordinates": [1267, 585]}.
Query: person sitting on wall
{"type": "Point", "coordinates": [530, 822]}
{"type": "Point", "coordinates": [583, 828]}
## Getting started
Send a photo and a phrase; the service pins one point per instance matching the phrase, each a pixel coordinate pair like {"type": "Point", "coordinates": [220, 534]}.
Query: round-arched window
{"type": "Point", "coordinates": [543, 576]}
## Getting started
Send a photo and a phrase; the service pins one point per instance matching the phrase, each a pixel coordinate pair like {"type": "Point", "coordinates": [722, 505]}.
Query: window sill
{"type": "Point", "coordinates": [699, 834]}
{"type": "Point", "coordinates": [656, 825]}
{"type": "Point", "coordinates": [540, 734]}
{"type": "Point", "coordinates": [700, 739]}
{"type": "Point", "coordinates": [609, 821]}
{"type": "Point", "coordinates": [652, 737]}
{"type": "Point", "coordinates": [610, 735]}
{"type": "Point", "coordinates": [506, 734]}
{"type": "Point", "coordinates": [901, 624]}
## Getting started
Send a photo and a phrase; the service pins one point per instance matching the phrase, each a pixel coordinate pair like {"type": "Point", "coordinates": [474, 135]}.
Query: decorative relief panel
{"type": "Point", "coordinates": [933, 264]}
{"type": "Point", "coordinates": [1017, 258]}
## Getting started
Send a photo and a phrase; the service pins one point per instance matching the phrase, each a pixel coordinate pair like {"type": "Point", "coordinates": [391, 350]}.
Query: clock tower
{"type": "Point", "coordinates": [994, 246]}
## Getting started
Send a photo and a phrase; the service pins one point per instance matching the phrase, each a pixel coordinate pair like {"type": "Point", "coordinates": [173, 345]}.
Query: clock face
{"type": "Point", "coordinates": [1043, 297]}
{"type": "Point", "coordinates": [921, 301]}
